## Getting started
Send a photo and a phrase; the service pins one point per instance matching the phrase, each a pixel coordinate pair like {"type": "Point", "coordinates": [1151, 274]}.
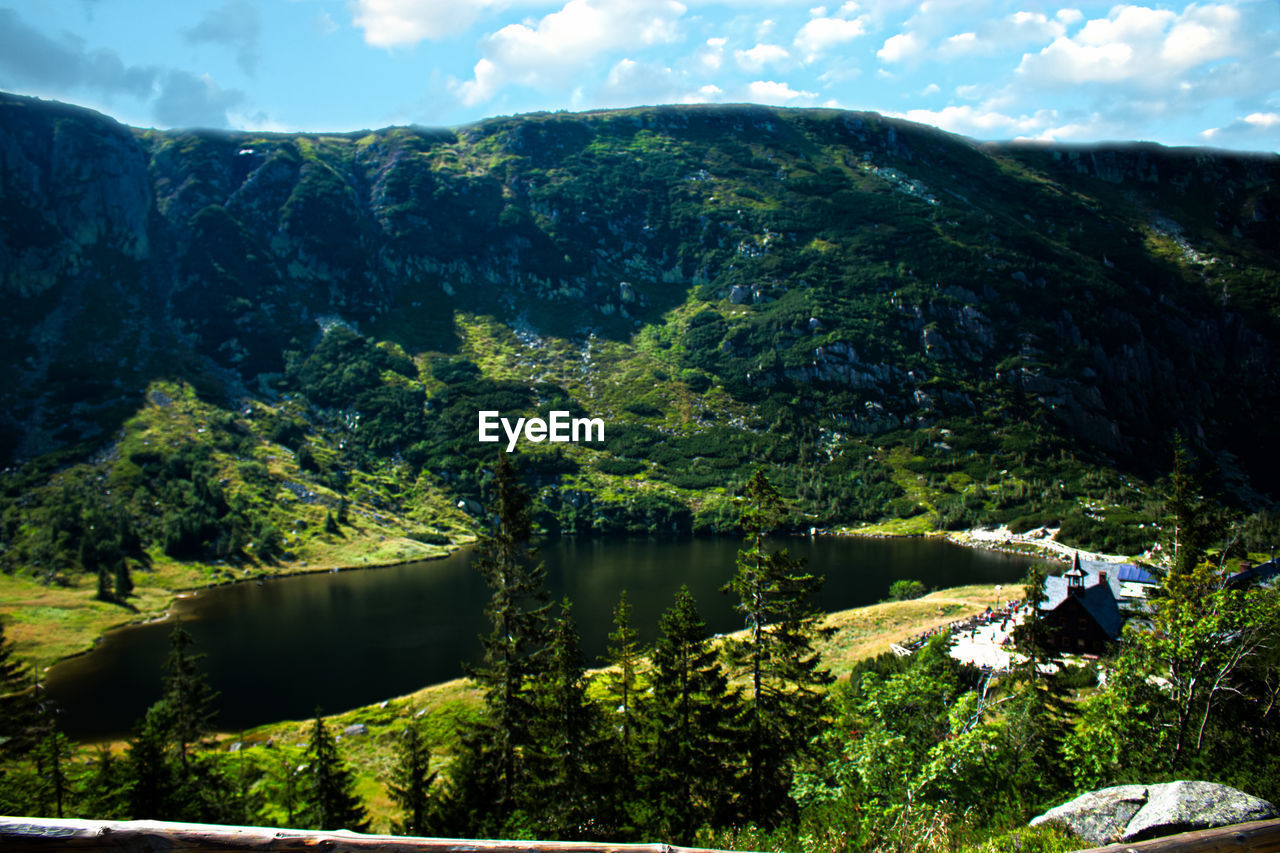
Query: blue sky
{"type": "Point", "coordinates": [1179, 73]}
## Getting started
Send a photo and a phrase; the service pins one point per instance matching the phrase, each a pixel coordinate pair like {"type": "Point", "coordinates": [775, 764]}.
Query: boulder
{"type": "Point", "coordinates": [1137, 812]}
{"type": "Point", "coordinates": [356, 729]}
{"type": "Point", "coordinates": [1185, 806]}
{"type": "Point", "coordinates": [1099, 817]}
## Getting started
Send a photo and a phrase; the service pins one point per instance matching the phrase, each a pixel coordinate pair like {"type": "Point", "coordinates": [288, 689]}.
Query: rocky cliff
{"type": "Point", "coordinates": [837, 277]}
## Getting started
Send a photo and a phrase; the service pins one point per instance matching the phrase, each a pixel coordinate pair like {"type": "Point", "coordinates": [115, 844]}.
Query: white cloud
{"type": "Point", "coordinates": [1067, 17]}
{"type": "Point", "coordinates": [931, 89]}
{"type": "Point", "coordinates": [632, 82]}
{"type": "Point", "coordinates": [979, 122]}
{"type": "Point", "coordinates": [705, 94]}
{"type": "Point", "coordinates": [771, 92]}
{"type": "Point", "coordinates": [960, 44]}
{"type": "Point", "coordinates": [555, 49]}
{"type": "Point", "coordinates": [821, 33]}
{"type": "Point", "coordinates": [759, 56]}
{"type": "Point", "coordinates": [1003, 33]}
{"type": "Point", "coordinates": [900, 47]}
{"type": "Point", "coordinates": [1138, 44]}
{"type": "Point", "coordinates": [711, 55]}
{"type": "Point", "coordinates": [400, 23]}
{"type": "Point", "coordinates": [1251, 127]}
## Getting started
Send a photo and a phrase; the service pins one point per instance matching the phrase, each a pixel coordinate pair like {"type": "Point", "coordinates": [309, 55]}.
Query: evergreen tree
{"type": "Point", "coordinates": [104, 583]}
{"type": "Point", "coordinates": [169, 781]}
{"type": "Point", "coordinates": [246, 801]}
{"type": "Point", "coordinates": [123, 581]}
{"type": "Point", "coordinates": [17, 705]}
{"type": "Point", "coordinates": [489, 777]}
{"type": "Point", "coordinates": [777, 657]}
{"type": "Point", "coordinates": [105, 789]}
{"type": "Point", "coordinates": [187, 703]}
{"type": "Point", "coordinates": [1041, 711]}
{"type": "Point", "coordinates": [1193, 522]}
{"type": "Point", "coordinates": [283, 778]}
{"type": "Point", "coordinates": [329, 795]}
{"type": "Point", "coordinates": [572, 799]}
{"type": "Point", "coordinates": [411, 781]}
{"type": "Point", "coordinates": [692, 728]}
{"type": "Point", "coordinates": [150, 769]}
{"type": "Point", "coordinates": [622, 682]}
{"type": "Point", "coordinates": [52, 755]}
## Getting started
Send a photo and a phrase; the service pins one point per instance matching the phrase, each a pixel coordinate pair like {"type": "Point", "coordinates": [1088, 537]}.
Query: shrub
{"type": "Point", "coordinates": [905, 590]}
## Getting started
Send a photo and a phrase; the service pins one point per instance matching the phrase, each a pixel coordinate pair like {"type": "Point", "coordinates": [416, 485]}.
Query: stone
{"type": "Point", "coordinates": [739, 294]}
{"type": "Point", "coordinates": [1137, 812]}
{"type": "Point", "coordinates": [356, 729]}
{"type": "Point", "coordinates": [1099, 817]}
{"type": "Point", "coordinates": [1186, 806]}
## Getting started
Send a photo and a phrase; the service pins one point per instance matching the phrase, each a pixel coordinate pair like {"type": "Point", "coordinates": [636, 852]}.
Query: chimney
{"type": "Point", "coordinates": [1102, 578]}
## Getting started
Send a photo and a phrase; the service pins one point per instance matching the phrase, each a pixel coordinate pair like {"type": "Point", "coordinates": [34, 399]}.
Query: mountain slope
{"type": "Point", "coordinates": [897, 321]}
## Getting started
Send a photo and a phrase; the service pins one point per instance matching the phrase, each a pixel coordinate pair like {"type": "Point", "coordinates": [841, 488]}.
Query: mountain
{"type": "Point", "coordinates": [224, 342]}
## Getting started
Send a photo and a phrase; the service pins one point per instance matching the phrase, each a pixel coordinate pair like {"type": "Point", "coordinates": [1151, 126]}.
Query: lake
{"type": "Point", "coordinates": [279, 649]}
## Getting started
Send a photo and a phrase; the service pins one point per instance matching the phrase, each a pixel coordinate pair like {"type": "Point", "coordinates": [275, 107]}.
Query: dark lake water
{"type": "Point", "coordinates": [280, 649]}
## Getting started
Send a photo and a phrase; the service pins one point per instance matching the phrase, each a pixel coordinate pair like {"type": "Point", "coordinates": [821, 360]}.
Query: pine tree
{"type": "Point", "coordinates": [150, 769]}
{"type": "Point", "coordinates": [622, 682]}
{"type": "Point", "coordinates": [1193, 522]}
{"type": "Point", "coordinates": [168, 779]}
{"type": "Point", "coordinates": [17, 704]}
{"type": "Point", "coordinates": [487, 782]}
{"type": "Point", "coordinates": [692, 729]}
{"type": "Point", "coordinates": [777, 656]}
{"type": "Point", "coordinates": [246, 800]}
{"type": "Point", "coordinates": [105, 789]}
{"type": "Point", "coordinates": [572, 796]}
{"type": "Point", "coordinates": [52, 755]}
{"type": "Point", "coordinates": [123, 581]}
{"type": "Point", "coordinates": [187, 702]}
{"type": "Point", "coordinates": [411, 782]}
{"type": "Point", "coordinates": [329, 795]}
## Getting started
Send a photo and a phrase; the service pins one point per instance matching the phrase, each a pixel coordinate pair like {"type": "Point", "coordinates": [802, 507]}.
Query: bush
{"type": "Point", "coordinates": [619, 467]}
{"type": "Point", "coordinates": [905, 590]}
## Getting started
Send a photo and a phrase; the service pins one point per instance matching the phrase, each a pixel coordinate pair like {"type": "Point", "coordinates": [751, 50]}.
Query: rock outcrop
{"type": "Point", "coordinates": [1137, 812]}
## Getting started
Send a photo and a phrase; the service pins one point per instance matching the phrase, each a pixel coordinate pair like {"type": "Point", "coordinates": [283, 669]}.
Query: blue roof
{"type": "Point", "coordinates": [1134, 574]}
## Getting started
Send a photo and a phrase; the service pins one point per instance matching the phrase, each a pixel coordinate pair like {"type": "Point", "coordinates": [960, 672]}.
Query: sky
{"type": "Point", "coordinates": [1177, 73]}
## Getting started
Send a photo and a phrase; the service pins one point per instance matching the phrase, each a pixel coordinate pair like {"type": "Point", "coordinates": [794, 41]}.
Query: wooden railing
{"type": "Point", "coordinates": [1259, 836]}
{"type": "Point", "coordinates": [22, 834]}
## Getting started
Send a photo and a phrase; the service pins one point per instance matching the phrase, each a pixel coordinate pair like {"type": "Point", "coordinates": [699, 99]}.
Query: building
{"type": "Point", "coordinates": [1081, 611]}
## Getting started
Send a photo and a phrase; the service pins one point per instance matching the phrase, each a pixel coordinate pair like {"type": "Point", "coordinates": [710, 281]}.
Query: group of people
{"type": "Point", "coordinates": [1007, 615]}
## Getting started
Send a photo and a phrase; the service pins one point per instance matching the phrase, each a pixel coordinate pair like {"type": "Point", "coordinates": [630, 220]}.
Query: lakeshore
{"type": "Point", "coordinates": [51, 623]}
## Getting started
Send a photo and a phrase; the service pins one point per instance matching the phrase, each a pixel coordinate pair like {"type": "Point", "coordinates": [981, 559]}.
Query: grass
{"type": "Point", "coordinates": [48, 623]}
{"type": "Point", "coordinates": [865, 632]}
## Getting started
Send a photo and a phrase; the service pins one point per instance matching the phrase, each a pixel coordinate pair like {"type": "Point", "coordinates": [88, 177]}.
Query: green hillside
{"type": "Point", "coordinates": [230, 354]}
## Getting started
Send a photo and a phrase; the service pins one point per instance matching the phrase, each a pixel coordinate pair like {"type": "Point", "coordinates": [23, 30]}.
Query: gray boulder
{"type": "Point", "coordinates": [1184, 806]}
{"type": "Point", "coordinates": [1099, 817]}
{"type": "Point", "coordinates": [1137, 812]}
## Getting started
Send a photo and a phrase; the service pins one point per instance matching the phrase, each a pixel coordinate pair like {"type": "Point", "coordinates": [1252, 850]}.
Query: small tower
{"type": "Point", "coordinates": [1075, 577]}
